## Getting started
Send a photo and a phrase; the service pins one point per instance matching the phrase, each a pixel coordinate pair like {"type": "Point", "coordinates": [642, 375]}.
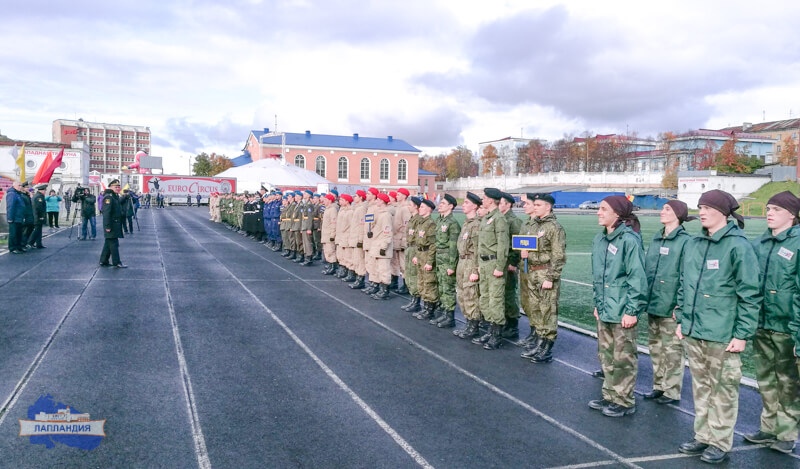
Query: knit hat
{"type": "Point", "coordinates": [624, 208]}
{"type": "Point", "coordinates": [722, 202]}
{"type": "Point", "coordinates": [681, 210]}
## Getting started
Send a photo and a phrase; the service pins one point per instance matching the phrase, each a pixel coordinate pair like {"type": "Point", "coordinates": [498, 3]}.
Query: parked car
{"type": "Point", "coordinates": [589, 205]}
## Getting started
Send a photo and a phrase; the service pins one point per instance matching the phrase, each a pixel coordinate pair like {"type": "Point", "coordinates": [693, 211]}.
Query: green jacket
{"type": "Point", "coordinates": [514, 225]}
{"type": "Point", "coordinates": [493, 239]}
{"type": "Point", "coordinates": [777, 262]}
{"type": "Point", "coordinates": [426, 242]}
{"type": "Point", "coordinates": [447, 230]}
{"type": "Point", "coordinates": [719, 296]}
{"type": "Point", "coordinates": [552, 245]}
{"type": "Point", "coordinates": [662, 263]}
{"type": "Point", "coordinates": [619, 281]}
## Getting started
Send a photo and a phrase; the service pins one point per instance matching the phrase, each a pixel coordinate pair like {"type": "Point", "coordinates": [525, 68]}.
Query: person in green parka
{"type": "Point", "coordinates": [620, 296]}
{"type": "Point", "coordinates": [719, 300]}
{"type": "Point", "coordinates": [662, 264]}
{"type": "Point", "coordinates": [778, 379]}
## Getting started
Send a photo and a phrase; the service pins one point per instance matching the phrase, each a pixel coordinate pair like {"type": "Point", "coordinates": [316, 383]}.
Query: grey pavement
{"type": "Point", "coordinates": [212, 351]}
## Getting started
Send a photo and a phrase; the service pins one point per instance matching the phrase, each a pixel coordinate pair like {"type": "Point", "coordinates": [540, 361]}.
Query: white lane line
{"type": "Point", "coordinates": [200, 448]}
{"type": "Point", "coordinates": [659, 457]}
{"type": "Point", "coordinates": [406, 446]}
{"type": "Point", "coordinates": [576, 282]}
{"type": "Point", "coordinates": [39, 358]}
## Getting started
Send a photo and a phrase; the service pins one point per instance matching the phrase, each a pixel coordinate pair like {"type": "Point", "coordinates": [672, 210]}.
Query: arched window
{"type": "Point", "coordinates": [365, 169]}
{"type": "Point", "coordinates": [342, 170]}
{"type": "Point", "coordinates": [320, 165]}
{"type": "Point", "coordinates": [383, 172]}
{"type": "Point", "coordinates": [402, 171]}
{"type": "Point", "coordinates": [300, 161]}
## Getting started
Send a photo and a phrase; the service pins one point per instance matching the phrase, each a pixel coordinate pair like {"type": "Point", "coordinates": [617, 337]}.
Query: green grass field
{"type": "Point", "coordinates": [576, 306]}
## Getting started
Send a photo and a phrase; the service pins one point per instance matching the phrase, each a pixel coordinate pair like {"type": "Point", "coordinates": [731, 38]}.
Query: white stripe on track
{"type": "Point", "coordinates": [406, 446]}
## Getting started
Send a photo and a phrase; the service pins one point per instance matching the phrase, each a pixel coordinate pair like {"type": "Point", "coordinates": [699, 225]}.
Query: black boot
{"type": "Point", "coordinates": [482, 339]}
{"type": "Point", "coordinates": [342, 272]}
{"type": "Point", "coordinates": [382, 293]}
{"type": "Point", "coordinates": [292, 255]}
{"type": "Point", "coordinates": [351, 277]}
{"type": "Point", "coordinates": [402, 289]}
{"type": "Point", "coordinates": [544, 355]}
{"type": "Point", "coordinates": [414, 306]}
{"type": "Point", "coordinates": [533, 336]}
{"type": "Point", "coordinates": [495, 340]}
{"type": "Point", "coordinates": [278, 246]}
{"type": "Point", "coordinates": [286, 253]}
{"type": "Point", "coordinates": [358, 284]}
{"type": "Point", "coordinates": [511, 329]}
{"type": "Point", "coordinates": [300, 259]}
{"type": "Point", "coordinates": [448, 321]}
{"type": "Point", "coordinates": [532, 349]}
{"type": "Point", "coordinates": [470, 332]}
{"type": "Point", "coordinates": [308, 261]}
{"type": "Point", "coordinates": [427, 311]}
{"type": "Point", "coordinates": [372, 287]}
{"type": "Point", "coordinates": [438, 315]}
{"type": "Point", "coordinates": [393, 283]}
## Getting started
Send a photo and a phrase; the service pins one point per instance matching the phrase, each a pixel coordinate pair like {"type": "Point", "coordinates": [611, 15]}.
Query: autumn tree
{"type": "Point", "coordinates": [788, 153]}
{"type": "Point", "coordinates": [671, 161]}
{"type": "Point", "coordinates": [531, 158]}
{"type": "Point", "coordinates": [731, 159]}
{"type": "Point", "coordinates": [219, 163]}
{"type": "Point", "coordinates": [490, 161]}
{"type": "Point", "coordinates": [435, 164]}
{"type": "Point", "coordinates": [460, 162]}
{"type": "Point", "coordinates": [703, 158]}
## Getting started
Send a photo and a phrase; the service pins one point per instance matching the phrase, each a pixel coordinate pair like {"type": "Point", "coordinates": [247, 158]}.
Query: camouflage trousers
{"type": "Point", "coordinates": [541, 306]}
{"type": "Point", "coordinates": [467, 292]}
{"type": "Point", "coordinates": [666, 353]}
{"type": "Point", "coordinates": [715, 386]}
{"type": "Point", "coordinates": [511, 300]}
{"type": "Point", "coordinates": [778, 383]}
{"type": "Point", "coordinates": [492, 293]}
{"type": "Point", "coordinates": [619, 360]}
{"type": "Point", "coordinates": [447, 287]}
{"type": "Point", "coordinates": [410, 274]}
{"type": "Point", "coordinates": [426, 279]}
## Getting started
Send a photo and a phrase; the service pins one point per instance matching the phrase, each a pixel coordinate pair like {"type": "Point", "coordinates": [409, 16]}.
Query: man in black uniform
{"type": "Point", "coordinates": [112, 226]}
{"type": "Point", "coordinates": [39, 217]}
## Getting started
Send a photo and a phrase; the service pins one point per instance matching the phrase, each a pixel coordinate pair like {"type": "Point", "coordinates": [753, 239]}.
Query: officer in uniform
{"type": "Point", "coordinates": [39, 217]}
{"type": "Point", "coordinates": [112, 226]}
{"type": "Point", "coordinates": [287, 209]}
{"type": "Point", "coordinates": [328, 233]}
{"type": "Point", "coordinates": [540, 276]}
{"type": "Point", "coordinates": [381, 247]}
{"type": "Point", "coordinates": [446, 262]}
{"type": "Point", "coordinates": [493, 246]}
{"type": "Point", "coordinates": [29, 220]}
{"type": "Point", "coordinates": [306, 229]}
{"type": "Point", "coordinates": [425, 260]}
{"type": "Point", "coordinates": [467, 276]}
{"type": "Point", "coordinates": [511, 329]}
{"type": "Point", "coordinates": [294, 228]}
{"type": "Point", "coordinates": [410, 272]}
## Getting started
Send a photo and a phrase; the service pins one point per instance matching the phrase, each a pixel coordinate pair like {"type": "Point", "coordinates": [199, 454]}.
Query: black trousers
{"type": "Point", "coordinates": [15, 236]}
{"type": "Point", "coordinates": [52, 219]}
{"type": "Point", "coordinates": [35, 238]}
{"type": "Point", "coordinates": [110, 249]}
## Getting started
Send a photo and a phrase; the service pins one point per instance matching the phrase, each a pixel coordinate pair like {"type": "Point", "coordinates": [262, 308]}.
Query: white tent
{"type": "Point", "coordinates": [270, 172]}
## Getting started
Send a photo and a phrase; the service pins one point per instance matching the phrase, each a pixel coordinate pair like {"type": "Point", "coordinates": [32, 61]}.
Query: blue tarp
{"type": "Point", "coordinates": [649, 202]}
{"type": "Point", "coordinates": [573, 199]}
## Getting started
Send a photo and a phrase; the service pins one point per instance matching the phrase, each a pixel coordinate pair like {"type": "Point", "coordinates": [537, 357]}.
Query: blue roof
{"type": "Point", "coordinates": [354, 141]}
{"type": "Point", "coordinates": [242, 159]}
{"type": "Point", "coordinates": [424, 172]}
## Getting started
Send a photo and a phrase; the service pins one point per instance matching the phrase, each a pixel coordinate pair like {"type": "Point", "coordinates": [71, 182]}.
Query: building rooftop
{"type": "Point", "coordinates": [775, 126]}
{"type": "Point", "coordinates": [353, 142]}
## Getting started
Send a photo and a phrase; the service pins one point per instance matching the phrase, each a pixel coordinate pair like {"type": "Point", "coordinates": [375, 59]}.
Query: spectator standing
{"type": "Point", "coordinates": [52, 201]}
{"type": "Point", "coordinates": [88, 213]}
{"type": "Point", "coordinates": [15, 214]}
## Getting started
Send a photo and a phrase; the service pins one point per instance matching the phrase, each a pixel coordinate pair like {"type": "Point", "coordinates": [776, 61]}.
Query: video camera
{"type": "Point", "coordinates": [80, 193]}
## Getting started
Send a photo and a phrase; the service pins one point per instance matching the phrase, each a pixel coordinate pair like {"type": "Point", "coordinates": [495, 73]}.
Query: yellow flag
{"type": "Point", "coordinates": [127, 187]}
{"type": "Point", "coordinates": [21, 164]}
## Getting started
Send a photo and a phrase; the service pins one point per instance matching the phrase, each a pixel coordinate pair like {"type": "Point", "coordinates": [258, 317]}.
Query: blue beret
{"type": "Point", "coordinates": [417, 200]}
{"type": "Point", "coordinates": [335, 192]}
{"type": "Point", "coordinates": [309, 192]}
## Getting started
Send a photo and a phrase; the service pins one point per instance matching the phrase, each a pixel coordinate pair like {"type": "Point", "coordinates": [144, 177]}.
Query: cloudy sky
{"type": "Point", "coordinates": [436, 73]}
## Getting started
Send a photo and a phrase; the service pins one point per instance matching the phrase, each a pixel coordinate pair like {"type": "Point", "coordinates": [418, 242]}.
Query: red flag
{"type": "Point", "coordinates": [45, 164]}
{"type": "Point", "coordinates": [48, 173]}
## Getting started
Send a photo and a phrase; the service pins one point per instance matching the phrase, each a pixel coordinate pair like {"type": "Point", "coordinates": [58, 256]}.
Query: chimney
{"type": "Point", "coordinates": [308, 133]}
{"type": "Point", "coordinates": [746, 125]}
{"type": "Point", "coordinates": [355, 136]}
{"type": "Point", "coordinates": [390, 138]}
{"type": "Point", "coordinates": [266, 130]}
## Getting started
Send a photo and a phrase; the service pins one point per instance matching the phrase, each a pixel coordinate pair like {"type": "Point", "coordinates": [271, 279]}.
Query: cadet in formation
{"type": "Point", "coordinates": [446, 262]}
{"type": "Point", "coordinates": [467, 274]}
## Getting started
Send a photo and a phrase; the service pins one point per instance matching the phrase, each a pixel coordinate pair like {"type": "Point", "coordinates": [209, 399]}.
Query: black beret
{"type": "Point", "coordinates": [541, 196]}
{"type": "Point", "coordinates": [451, 200]}
{"type": "Point", "coordinates": [474, 198]}
{"type": "Point", "coordinates": [508, 197]}
{"type": "Point", "coordinates": [493, 193]}
{"type": "Point", "coordinates": [429, 203]}
{"type": "Point", "coordinates": [417, 201]}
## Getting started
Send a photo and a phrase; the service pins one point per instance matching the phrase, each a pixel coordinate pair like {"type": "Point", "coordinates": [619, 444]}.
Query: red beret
{"type": "Point", "coordinates": [361, 194]}
{"type": "Point", "coordinates": [383, 197]}
{"type": "Point", "coordinates": [404, 191]}
{"type": "Point", "coordinates": [374, 191]}
{"type": "Point", "coordinates": [393, 195]}
{"type": "Point", "coordinates": [347, 197]}
{"type": "Point", "coordinates": [330, 197]}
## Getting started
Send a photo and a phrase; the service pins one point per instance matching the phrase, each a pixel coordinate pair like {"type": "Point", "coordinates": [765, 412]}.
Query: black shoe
{"type": "Point", "coordinates": [371, 288]}
{"type": "Point", "coordinates": [785, 447]}
{"type": "Point", "coordinates": [382, 293]}
{"type": "Point", "coordinates": [438, 315]}
{"type": "Point", "coordinates": [448, 321]}
{"type": "Point", "coordinates": [760, 437]}
{"type": "Point", "coordinates": [693, 447]}
{"type": "Point", "coordinates": [654, 394]}
{"type": "Point", "coordinates": [510, 330]}
{"type": "Point", "coordinates": [714, 455]}
{"type": "Point", "coordinates": [598, 374]}
{"type": "Point", "coordinates": [663, 400]}
{"type": "Point", "coordinates": [482, 339]}
{"type": "Point", "coordinates": [393, 283]}
{"type": "Point", "coordinates": [105, 264]}
{"type": "Point", "coordinates": [17, 251]}
{"type": "Point", "coordinates": [121, 266]}
{"type": "Point", "coordinates": [402, 290]}
{"type": "Point", "coordinates": [358, 283]}
{"type": "Point", "coordinates": [495, 340]}
{"type": "Point", "coordinates": [470, 332]}
{"type": "Point", "coordinates": [414, 305]}
{"type": "Point", "coordinates": [544, 353]}
{"type": "Point", "coordinates": [599, 404]}
{"type": "Point", "coordinates": [533, 349]}
{"type": "Point", "coordinates": [530, 340]}
{"type": "Point", "coordinates": [616, 410]}
{"type": "Point", "coordinates": [308, 262]}
{"type": "Point", "coordinates": [40, 247]}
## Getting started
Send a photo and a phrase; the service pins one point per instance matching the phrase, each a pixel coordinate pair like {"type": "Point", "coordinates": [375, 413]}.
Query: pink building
{"type": "Point", "coordinates": [385, 163]}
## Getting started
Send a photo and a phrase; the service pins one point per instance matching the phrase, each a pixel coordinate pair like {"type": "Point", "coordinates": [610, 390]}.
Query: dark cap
{"type": "Point", "coordinates": [624, 208]}
{"type": "Point", "coordinates": [451, 200]}
{"type": "Point", "coordinates": [114, 182]}
{"type": "Point", "coordinates": [474, 199]}
{"type": "Point", "coordinates": [681, 210]}
{"type": "Point", "coordinates": [493, 193]}
{"type": "Point", "coordinates": [508, 197]}
{"type": "Point", "coordinates": [41, 187]}
{"type": "Point", "coordinates": [24, 184]}
{"type": "Point", "coordinates": [417, 200]}
{"type": "Point", "coordinates": [429, 203]}
{"type": "Point", "coordinates": [541, 196]}
{"type": "Point", "coordinates": [722, 202]}
{"type": "Point", "coordinates": [334, 192]}
{"type": "Point", "coordinates": [786, 200]}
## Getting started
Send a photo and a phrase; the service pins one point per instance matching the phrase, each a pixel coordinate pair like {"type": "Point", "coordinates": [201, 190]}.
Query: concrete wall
{"type": "Point", "coordinates": [691, 184]}
{"type": "Point", "coordinates": [623, 182]}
